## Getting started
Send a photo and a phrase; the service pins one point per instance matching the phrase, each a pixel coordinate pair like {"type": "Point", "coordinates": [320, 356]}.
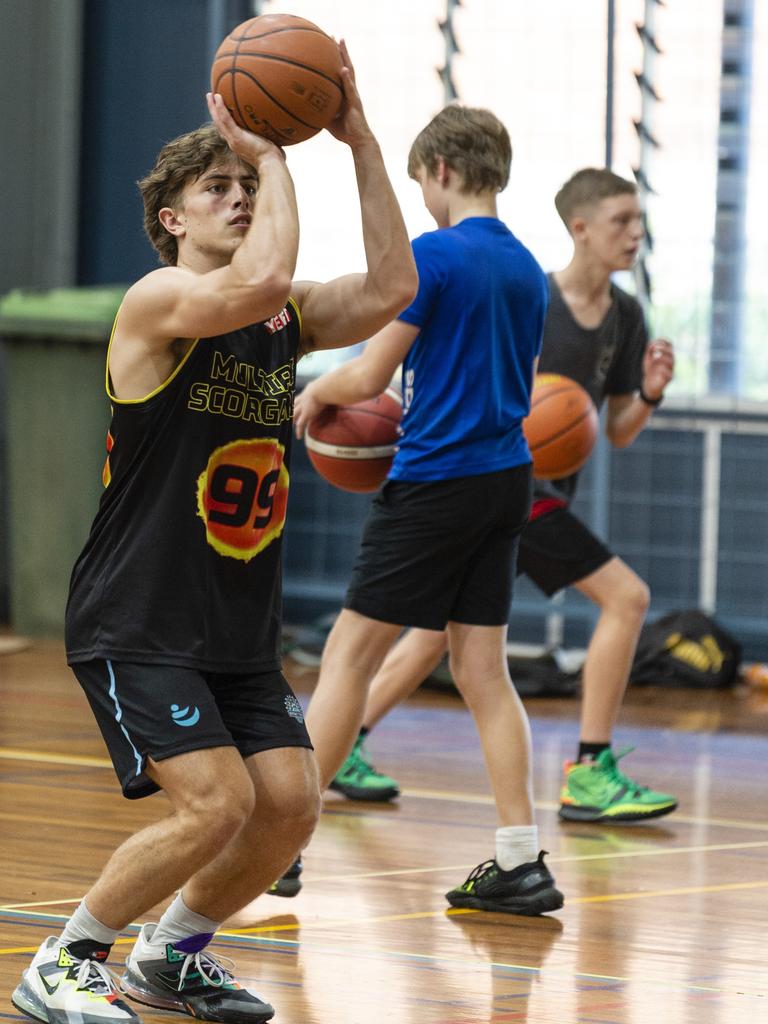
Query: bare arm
{"type": "Point", "coordinates": [352, 308]}
{"type": "Point", "coordinates": [628, 414]}
{"type": "Point", "coordinates": [363, 377]}
{"type": "Point", "coordinates": [187, 302]}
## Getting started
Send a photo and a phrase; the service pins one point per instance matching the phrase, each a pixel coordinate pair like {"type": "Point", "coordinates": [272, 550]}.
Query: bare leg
{"type": "Point", "coordinates": [479, 668]}
{"type": "Point", "coordinates": [287, 806]}
{"type": "Point", "coordinates": [623, 599]}
{"type": "Point", "coordinates": [212, 797]}
{"type": "Point", "coordinates": [353, 652]}
{"type": "Point", "coordinates": [229, 836]}
{"type": "Point", "coordinates": [407, 664]}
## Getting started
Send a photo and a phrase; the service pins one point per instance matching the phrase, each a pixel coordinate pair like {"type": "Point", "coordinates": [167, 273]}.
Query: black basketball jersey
{"type": "Point", "coordinates": [605, 360]}
{"type": "Point", "coordinates": [183, 562]}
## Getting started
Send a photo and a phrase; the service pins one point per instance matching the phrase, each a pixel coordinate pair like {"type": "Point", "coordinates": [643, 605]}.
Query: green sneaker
{"type": "Point", "coordinates": [357, 779]}
{"type": "Point", "coordinates": [598, 791]}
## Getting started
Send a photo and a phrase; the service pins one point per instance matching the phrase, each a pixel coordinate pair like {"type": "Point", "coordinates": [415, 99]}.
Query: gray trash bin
{"type": "Point", "coordinates": [55, 346]}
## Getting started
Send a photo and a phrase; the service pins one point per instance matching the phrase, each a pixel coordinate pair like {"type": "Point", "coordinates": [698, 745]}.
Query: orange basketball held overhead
{"type": "Point", "coordinates": [352, 446]}
{"type": "Point", "coordinates": [280, 77]}
{"type": "Point", "coordinates": [561, 428]}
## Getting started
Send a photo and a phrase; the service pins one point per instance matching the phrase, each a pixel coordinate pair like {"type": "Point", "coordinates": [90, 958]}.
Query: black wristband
{"type": "Point", "coordinates": [649, 401]}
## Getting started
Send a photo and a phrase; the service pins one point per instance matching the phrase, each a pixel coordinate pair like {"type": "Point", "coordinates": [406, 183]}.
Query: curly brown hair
{"type": "Point", "coordinates": [472, 141]}
{"type": "Point", "coordinates": [179, 162]}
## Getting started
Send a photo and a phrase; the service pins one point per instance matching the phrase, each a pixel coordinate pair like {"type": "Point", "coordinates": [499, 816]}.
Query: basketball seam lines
{"type": "Point", "coordinates": [350, 452]}
{"type": "Point", "coordinates": [554, 437]}
{"type": "Point", "coordinates": [283, 60]}
{"type": "Point", "coordinates": [538, 399]}
{"type": "Point", "coordinates": [277, 31]}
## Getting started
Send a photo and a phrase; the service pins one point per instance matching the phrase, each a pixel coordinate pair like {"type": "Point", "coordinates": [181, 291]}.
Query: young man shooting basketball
{"type": "Point", "coordinates": [440, 542]}
{"type": "Point", "coordinates": [174, 612]}
{"type": "Point", "coordinates": [595, 334]}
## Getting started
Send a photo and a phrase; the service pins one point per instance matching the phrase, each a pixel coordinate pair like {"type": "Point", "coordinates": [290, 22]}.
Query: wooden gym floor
{"type": "Point", "coordinates": [663, 922]}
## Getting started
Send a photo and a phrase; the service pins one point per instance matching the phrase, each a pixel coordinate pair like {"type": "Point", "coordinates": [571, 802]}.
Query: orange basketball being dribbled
{"type": "Point", "coordinates": [280, 77]}
{"type": "Point", "coordinates": [561, 428]}
{"type": "Point", "coordinates": [352, 446]}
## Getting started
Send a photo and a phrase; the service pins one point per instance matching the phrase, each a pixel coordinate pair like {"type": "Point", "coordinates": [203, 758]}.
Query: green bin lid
{"type": "Point", "coordinates": [69, 314]}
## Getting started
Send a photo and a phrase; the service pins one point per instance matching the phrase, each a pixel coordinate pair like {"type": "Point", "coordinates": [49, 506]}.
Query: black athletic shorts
{"type": "Point", "coordinates": [442, 551]}
{"type": "Point", "coordinates": [160, 711]}
{"type": "Point", "coordinates": [557, 550]}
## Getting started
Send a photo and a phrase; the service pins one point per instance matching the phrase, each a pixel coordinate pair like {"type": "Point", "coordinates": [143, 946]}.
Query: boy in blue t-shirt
{"type": "Point", "coordinates": [440, 543]}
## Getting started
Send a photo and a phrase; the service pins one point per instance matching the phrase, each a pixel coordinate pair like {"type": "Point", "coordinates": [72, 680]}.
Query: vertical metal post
{"type": "Point", "coordinates": [727, 322]}
{"type": "Point", "coordinates": [601, 457]}
{"type": "Point", "coordinates": [609, 84]}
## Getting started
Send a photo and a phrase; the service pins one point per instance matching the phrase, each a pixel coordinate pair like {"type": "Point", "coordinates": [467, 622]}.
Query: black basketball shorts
{"type": "Point", "coordinates": [160, 711]}
{"type": "Point", "coordinates": [557, 550]}
{"type": "Point", "coordinates": [442, 551]}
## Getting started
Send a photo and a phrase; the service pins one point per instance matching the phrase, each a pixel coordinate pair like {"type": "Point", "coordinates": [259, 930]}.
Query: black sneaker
{"type": "Point", "coordinates": [528, 889]}
{"type": "Point", "coordinates": [290, 883]}
{"type": "Point", "coordinates": [188, 982]}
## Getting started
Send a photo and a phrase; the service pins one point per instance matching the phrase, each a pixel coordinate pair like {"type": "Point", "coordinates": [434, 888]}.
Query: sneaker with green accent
{"type": "Point", "coordinates": [289, 884]}
{"type": "Point", "coordinates": [357, 779]}
{"type": "Point", "coordinates": [185, 978]}
{"type": "Point", "coordinates": [70, 985]}
{"type": "Point", "coordinates": [598, 791]}
{"type": "Point", "coordinates": [528, 889]}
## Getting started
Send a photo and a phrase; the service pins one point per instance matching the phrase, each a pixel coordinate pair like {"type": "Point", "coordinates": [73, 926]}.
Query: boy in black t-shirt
{"type": "Point", "coordinates": [594, 333]}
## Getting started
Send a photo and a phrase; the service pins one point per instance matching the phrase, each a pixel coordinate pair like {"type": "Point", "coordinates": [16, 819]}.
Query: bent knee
{"type": "Point", "coordinates": [631, 598]}
{"type": "Point", "coordinates": [221, 813]}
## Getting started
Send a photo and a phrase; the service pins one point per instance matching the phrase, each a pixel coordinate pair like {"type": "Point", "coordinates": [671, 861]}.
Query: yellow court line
{"type": "Point", "coordinates": [549, 805]}
{"type": "Point", "coordinates": [13, 754]}
{"type": "Point", "coordinates": [634, 852]}
{"type": "Point", "coordinates": [423, 914]}
{"type": "Point", "coordinates": [10, 753]}
{"type": "Point", "coordinates": [67, 823]}
{"type": "Point", "coordinates": [725, 887]}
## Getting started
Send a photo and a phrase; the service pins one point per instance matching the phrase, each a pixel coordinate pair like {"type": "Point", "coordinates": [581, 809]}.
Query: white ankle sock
{"type": "Point", "coordinates": [516, 845]}
{"type": "Point", "coordinates": [179, 923]}
{"type": "Point", "coordinates": [83, 925]}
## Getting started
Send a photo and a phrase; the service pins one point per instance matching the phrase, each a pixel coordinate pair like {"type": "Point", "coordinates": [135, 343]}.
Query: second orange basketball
{"type": "Point", "coordinates": [561, 428]}
{"type": "Point", "coordinates": [280, 77]}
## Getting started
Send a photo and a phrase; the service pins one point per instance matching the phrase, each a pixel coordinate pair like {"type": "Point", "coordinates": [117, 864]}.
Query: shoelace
{"type": "Point", "coordinates": [210, 970]}
{"type": "Point", "coordinates": [360, 763]}
{"type": "Point", "coordinates": [479, 872]}
{"type": "Point", "coordinates": [96, 978]}
{"type": "Point", "coordinates": [615, 774]}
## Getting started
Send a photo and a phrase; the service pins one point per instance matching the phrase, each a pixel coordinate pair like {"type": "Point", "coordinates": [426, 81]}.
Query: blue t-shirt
{"type": "Point", "coordinates": [467, 377]}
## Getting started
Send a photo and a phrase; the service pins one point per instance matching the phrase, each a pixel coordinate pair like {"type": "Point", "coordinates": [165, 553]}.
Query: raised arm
{"type": "Point", "coordinates": [352, 308]}
{"type": "Point", "coordinates": [198, 299]}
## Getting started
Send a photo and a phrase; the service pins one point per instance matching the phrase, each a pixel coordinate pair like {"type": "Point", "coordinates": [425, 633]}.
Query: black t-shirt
{"type": "Point", "coordinates": [605, 360]}
{"type": "Point", "coordinates": [183, 562]}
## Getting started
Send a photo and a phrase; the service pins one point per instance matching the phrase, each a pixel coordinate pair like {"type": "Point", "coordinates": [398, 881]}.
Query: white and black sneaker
{"type": "Point", "coordinates": [70, 985]}
{"type": "Point", "coordinates": [184, 977]}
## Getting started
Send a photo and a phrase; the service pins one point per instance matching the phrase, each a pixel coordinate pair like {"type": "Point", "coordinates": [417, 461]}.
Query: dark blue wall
{"type": "Point", "coordinates": [145, 74]}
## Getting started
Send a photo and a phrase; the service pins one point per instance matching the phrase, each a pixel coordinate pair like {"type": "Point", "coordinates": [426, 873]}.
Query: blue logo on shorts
{"type": "Point", "coordinates": [179, 715]}
{"type": "Point", "coordinates": [293, 708]}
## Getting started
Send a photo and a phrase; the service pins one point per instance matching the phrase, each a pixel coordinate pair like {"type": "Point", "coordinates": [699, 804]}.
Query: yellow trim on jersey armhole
{"type": "Point", "coordinates": [295, 305]}
{"type": "Point", "coordinates": [161, 387]}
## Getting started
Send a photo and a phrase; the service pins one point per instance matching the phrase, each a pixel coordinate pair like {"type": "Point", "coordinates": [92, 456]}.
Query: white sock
{"type": "Point", "coordinates": [83, 925]}
{"type": "Point", "coordinates": [179, 923]}
{"type": "Point", "coordinates": [516, 845]}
